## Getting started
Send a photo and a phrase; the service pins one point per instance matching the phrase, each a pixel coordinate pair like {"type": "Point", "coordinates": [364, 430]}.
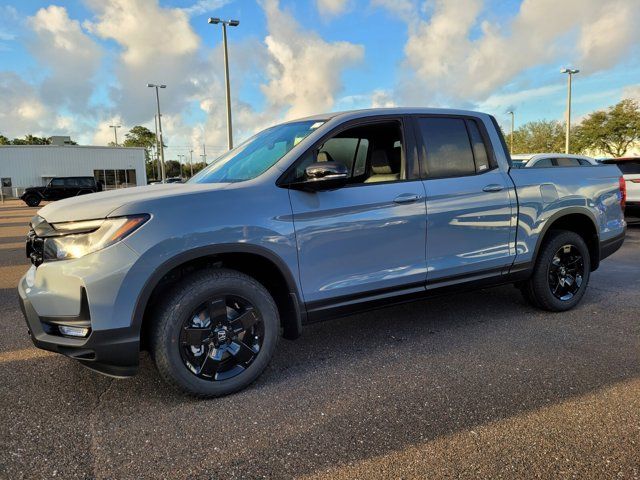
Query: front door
{"type": "Point", "coordinates": [367, 238]}
{"type": "Point", "coordinates": [469, 206]}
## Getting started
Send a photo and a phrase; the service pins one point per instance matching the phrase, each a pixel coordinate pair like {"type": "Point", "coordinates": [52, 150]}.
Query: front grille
{"type": "Point", "coordinates": [35, 247]}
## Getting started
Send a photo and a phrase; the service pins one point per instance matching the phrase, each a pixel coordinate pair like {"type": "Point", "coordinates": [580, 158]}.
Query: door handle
{"type": "Point", "coordinates": [406, 198]}
{"type": "Point", "coordinates": [494, 187]}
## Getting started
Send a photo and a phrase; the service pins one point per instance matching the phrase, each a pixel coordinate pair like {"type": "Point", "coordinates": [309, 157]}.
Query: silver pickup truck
{"type": "Point", "coordinates": [306, 220]}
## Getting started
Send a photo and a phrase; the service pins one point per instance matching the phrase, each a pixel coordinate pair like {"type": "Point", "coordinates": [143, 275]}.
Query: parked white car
{"type": "Point", "coordinates": [542, 160]}
{"type": "Point", "coordinates": [630, 168]}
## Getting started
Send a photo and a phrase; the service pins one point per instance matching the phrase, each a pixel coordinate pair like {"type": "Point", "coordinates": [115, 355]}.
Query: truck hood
{"type": "Point", "coordinates": [101, 204]}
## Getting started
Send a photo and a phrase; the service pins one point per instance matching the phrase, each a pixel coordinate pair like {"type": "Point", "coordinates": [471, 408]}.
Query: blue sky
{"type": "Point", "coordinates": [76, 66]}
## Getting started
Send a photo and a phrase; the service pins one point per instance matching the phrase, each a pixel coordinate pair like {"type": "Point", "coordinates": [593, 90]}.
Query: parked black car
{"type": "Point", "coordinates": [59, 188]}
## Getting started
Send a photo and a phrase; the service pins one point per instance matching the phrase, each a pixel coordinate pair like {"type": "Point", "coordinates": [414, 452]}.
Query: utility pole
{"type": "Point", "coordinates": [180, 157]}
{"type": "Point", "coordinates": [231, 23]}
{"type": "Point", "coordinates": [570, 73]}
{"type": "Point", "coordinates": [204, 154]}
{"type": "Point", "coordinates": [513, 122]}
{"type": "Point", "coordinates": [162, 168]}
{"type": "Point", "coordinates": [115, 133]}
{"type": "Point", "coordinates": [191, 162]}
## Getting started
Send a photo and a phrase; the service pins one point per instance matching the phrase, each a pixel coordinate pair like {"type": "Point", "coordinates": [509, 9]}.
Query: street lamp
{"type": "Point", "coordinates": [115, 132]}
{"type": "Point", "coordinates": [162, 169]}
{"type": "Point", "coordinates": [231, 23]}
{"type": "Point", "coordinates": [513, 121]}
{"type": "Point", "coordinates": [570, 73]}
{"type": "Point", "coordinates": [180, 157]}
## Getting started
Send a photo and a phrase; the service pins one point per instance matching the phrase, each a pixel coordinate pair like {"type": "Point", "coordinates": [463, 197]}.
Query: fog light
{"type": "Point", "coordinates": [73, 331]}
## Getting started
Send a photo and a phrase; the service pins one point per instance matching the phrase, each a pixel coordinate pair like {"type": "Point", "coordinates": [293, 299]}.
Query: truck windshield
{"type": "Point", "coordinates": [256, 155]}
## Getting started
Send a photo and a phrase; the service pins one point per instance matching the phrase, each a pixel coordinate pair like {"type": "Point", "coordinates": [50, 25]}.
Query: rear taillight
{"type": "Point", "coordinates": [623, 192]}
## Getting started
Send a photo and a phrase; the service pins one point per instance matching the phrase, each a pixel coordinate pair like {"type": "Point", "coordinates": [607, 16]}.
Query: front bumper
{"type": "Point", "coordinates": [113, 352]}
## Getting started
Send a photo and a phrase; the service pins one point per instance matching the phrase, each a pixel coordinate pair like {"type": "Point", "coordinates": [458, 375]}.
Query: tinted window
{"type": "Point", "coordinates": [567, 162]}
{"type": "Point", "coordinates": [479, 148]}
{"type": "Point", "coordinates": [71, 182]}
{"type": "Point", "coordinates": [57, 182]}
{"type": "Point", "coordinates": [342, 150]}
{"type": "Point", "coordinates": [544, 163]}
{"type": "Point", "coordinates": [629, 167]}
{"type": "Point", "coordinates": [448, 150]}
{"type": "Point", "coordinates": [584, 162]}
{"type": "Point", "coordinates": [85, 182]}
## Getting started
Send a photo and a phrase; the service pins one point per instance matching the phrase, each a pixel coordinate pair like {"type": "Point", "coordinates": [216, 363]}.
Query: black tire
{"type": "Point", "coordinates": [32, 200]}
{"type": "Point", "coordinates": [550, 274]}
{"type": "Point", "coordinates": [169, 349]}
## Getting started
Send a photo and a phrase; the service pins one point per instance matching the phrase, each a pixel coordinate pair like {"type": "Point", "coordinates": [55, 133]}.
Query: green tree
{"type": "Point", "coordinates": [172, 168]}
{"type": "Point", "coordinates": [197, 166]}
{"type": "Point", "coordinates": [31, 140]}
{"type": "Point", "coordinates": [538, 137]}
{"type": "Point", "coordinates": [4, 140]}
{"type": "Point", "coordinates": [140, 136]}
{"type": "Point", "coordinates": [610, 131]}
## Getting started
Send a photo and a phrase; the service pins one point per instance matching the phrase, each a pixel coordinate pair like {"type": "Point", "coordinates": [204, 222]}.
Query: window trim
{"type": "Point", "coordinates": [408, 139]}
{"type": "Point", "coordinates": [422, 147]}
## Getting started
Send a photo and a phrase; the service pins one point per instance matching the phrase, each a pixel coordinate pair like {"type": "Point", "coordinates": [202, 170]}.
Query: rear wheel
{"type": "Point", "coordinates": [215, 333]}
{"type": "Point", "coordinates": [32, 200]}
{"type": "Point", "coordinates": [561, 273]}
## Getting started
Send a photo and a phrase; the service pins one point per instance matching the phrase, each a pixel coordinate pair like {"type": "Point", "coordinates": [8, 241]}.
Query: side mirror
{"type": "Point", "coordinates": [324, 176]}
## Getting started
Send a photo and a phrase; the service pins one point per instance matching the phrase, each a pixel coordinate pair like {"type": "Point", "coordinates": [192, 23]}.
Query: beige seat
{"type": "Point", "coordinates": [381, 169]}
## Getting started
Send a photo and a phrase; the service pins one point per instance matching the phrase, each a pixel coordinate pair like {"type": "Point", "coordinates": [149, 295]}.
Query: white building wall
{"type": "Point", "coordinates": [29, 165]}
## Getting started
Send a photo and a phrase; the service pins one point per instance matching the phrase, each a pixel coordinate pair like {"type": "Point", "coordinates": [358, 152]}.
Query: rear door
{"type": "Point", "coordinates": [469, 206]}
{"type": "Point", "coordinates": [72, 186]}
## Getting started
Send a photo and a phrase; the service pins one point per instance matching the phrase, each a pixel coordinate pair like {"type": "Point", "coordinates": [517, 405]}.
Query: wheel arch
{"type": "Point", "coordinates": [257, 262]}
{"type": "Point", "coordinates": [580, 221]}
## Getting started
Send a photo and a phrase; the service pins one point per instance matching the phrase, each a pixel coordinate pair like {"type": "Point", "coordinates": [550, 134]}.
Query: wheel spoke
{"type": "Point", "coordinates": [196, 335]}
{"type": "Point", "coordinates": [241, 352]}
{"type": "Point", "coordinates": [217, 311]}
{"type": "Point", "coordinates": [211, 362]}
{"type": "Point", "coordinates": [245, 321]}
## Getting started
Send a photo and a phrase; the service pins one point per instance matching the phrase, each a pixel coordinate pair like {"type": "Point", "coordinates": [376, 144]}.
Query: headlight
{"type": "Point", "coordinates": [77, 239]}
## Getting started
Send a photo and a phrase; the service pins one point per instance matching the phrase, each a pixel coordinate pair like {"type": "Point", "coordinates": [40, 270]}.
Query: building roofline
{"type": "Point", "coordinates": [72, 146]}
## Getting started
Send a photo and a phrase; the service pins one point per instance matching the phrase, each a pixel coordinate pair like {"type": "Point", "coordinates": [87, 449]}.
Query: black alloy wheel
{"type": "Point", "coordinates": [214, 332]}
{"type": "Point", "coordinates": [221, 338]}
{"type": "Point", "coordinates": [561, 272]}
{"type": "Point", "coordinates": [565, 272]}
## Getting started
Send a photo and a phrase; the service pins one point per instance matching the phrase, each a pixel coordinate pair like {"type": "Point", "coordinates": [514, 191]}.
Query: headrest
{"type": "Point", "coordinates": [380, 163]}
{"type": "Point", "coordinates": [324, 157]}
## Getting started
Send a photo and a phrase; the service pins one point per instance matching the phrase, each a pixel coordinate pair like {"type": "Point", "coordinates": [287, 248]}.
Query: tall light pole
{"type": "Point", "coordinates": [191, 162]}
{"type": "Point", "coordinates": [231, 23]}
{"type": "Point", "coordinates": [159, 172]}
{"type": "Point", "coordinates": [513, 123]}
{"type": "Point", "coordinates": [115, 132]}
{"type": "Point", "coordinates": [162, 169]}
{"type": "Point", "coordinates": [570, 73]}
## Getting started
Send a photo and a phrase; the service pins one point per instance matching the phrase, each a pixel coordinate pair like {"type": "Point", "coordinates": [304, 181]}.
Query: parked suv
{"type": "Point", "coordinates": [59, 188]}
{"type": "Point", "coordinates": [630, 168]}
{"type": "Point", "coordinates": [307, 220]}
{"type": "Point", "coordinates": [546, 160]}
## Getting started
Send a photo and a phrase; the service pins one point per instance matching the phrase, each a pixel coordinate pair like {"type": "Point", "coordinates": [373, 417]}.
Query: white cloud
{"type": "Point", "coordinates": [205, 6]}
{"type": "Point", "coordinates": [304, 70]}
{"type": "Point", "coordinates": [332, 7]}
{"type": "Point", "coordinates": [457, 56]}
{"type": "Point", "coordinates": [70, 56]}
{"type": "Point", "coordinates": [632, 92]}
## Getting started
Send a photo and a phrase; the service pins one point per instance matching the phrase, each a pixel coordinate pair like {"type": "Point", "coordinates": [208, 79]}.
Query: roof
{"type": "Point", "coordinates": [537, 156]}
{"type": "Point", "coordinates": [368, 112]}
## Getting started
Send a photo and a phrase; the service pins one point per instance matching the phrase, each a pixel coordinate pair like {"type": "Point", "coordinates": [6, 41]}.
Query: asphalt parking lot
{"type": "Point", "coordinates": [476, 385]}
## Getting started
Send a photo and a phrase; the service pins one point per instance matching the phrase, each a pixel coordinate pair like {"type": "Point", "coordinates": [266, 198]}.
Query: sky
{"type": "Point", "coordinates": [76, 67]}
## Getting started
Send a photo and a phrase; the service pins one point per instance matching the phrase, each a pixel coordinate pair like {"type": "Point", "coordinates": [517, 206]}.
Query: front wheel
{"type": "Point", "coordinates": [561, 272]}
{"type": "Point", "coordinates": [214, 333]}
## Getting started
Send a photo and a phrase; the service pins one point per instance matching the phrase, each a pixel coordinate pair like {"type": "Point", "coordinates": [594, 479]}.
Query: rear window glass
{"type": "Point", "coordinates": [629, 167]}
{"type": "Point", "coordinates": [567, 162]}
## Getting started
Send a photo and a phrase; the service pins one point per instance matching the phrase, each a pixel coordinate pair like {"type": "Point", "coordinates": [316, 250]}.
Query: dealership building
{"type": "Point", "coordinates": [23, 166]}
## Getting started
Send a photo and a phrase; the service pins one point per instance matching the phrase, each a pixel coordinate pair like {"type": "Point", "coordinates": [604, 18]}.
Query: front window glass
{"type": "Point", "coordinates": [256, 155]}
